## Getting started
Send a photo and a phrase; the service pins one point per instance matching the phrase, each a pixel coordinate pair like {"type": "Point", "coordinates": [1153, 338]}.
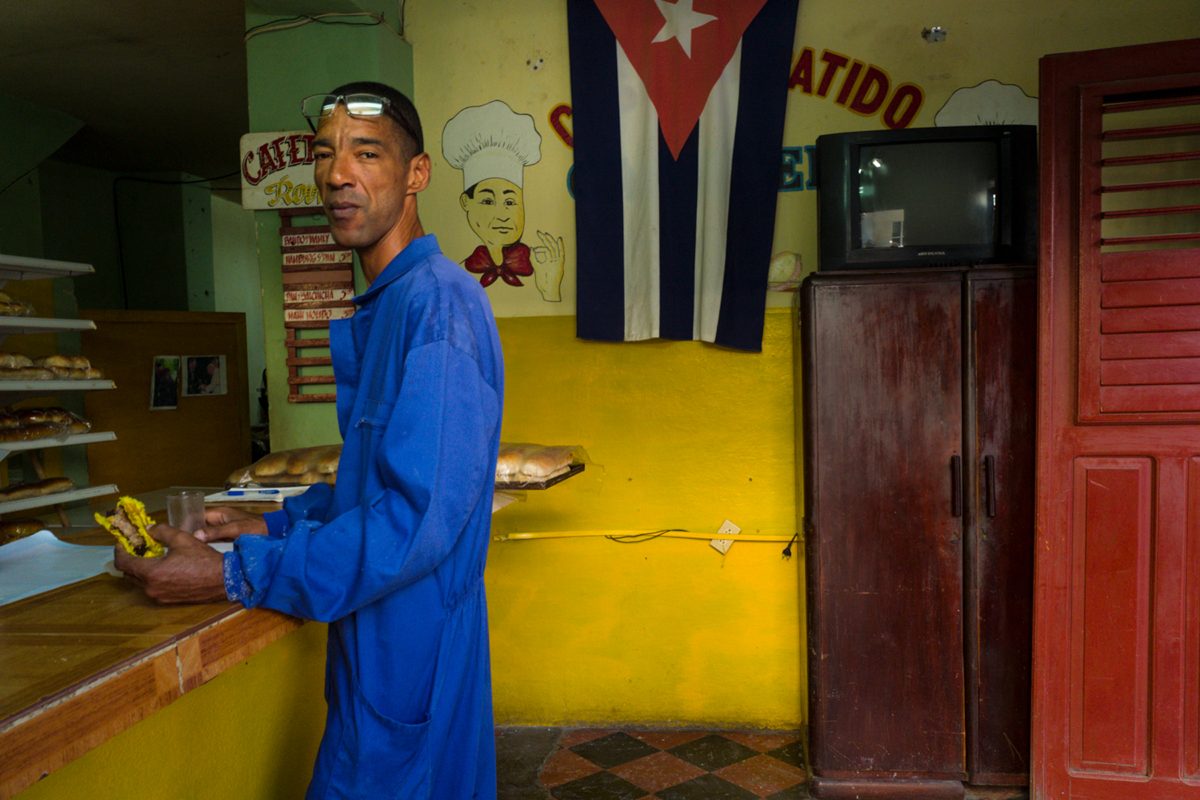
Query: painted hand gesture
{"type": "Point", "coordinates": [548, 262]}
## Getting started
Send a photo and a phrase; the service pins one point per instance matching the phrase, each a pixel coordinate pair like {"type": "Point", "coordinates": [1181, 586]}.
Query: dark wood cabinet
{"type": "Point", "coordinates": [918, 400]}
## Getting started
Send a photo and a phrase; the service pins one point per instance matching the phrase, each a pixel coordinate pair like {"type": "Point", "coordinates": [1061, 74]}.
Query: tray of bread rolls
{"type": "Point", "coordinates": [302, 466]}
{"type": "Point", "coordinates": [518, 466]}
{"type": "Point", "coordinates": [524, 465]}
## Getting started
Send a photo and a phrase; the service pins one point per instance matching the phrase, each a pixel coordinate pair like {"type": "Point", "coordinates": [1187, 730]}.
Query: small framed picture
{"type": "Point", "coordinates": [203, 375]}
{"type": "Point", "coordinates": [164, 382]}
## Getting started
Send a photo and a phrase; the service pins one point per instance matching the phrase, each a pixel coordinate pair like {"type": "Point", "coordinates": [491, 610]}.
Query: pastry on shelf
{"type": "Point", "coordinates": [14, 308]}
{"type": "Point", "coordinates": [68, 367]}
{"type": "Point", "coordinates": [28, 424]}
{"type": "Point", "coordinates": [46, 486]}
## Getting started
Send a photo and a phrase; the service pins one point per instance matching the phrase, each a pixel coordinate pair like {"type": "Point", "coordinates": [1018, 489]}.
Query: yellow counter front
{"type": "Point", "coordinates": [104, 694]}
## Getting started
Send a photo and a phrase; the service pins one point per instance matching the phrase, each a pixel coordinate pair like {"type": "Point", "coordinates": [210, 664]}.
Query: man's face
{"type": "Point", "coordinates": [362, 176]}
{"type": "Point", "coordinates": [497, 211]}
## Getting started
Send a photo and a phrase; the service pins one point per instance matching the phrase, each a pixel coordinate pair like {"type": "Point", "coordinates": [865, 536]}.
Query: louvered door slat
{"type": "Point", "coordinates": [1149, 371]}
{"type": "Point", "coordinates": [1141, 320]}
{"type": "Point", "coordinates": [1139, 225]}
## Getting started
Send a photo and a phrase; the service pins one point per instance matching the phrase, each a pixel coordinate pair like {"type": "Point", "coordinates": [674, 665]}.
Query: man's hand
{"type": "Point", "coordinates": [190, 572]}
{"type": "Point", "coordinates": [224, 524]}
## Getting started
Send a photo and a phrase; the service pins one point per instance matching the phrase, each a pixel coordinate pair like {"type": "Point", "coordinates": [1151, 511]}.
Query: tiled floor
{"type": "Point", "coordinates": [592, 764]}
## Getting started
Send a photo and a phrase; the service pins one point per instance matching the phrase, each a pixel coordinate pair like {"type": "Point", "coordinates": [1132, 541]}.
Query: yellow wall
{"type": "Point", "coordinates": [678, 435]}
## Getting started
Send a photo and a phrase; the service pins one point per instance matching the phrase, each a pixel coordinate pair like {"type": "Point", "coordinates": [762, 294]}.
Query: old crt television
{"type": "Point", "coordinates": [927, 197]}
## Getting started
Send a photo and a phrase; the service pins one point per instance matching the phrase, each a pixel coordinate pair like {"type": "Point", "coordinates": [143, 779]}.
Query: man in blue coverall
{"type": "Point", "coordinates": [392, 557]}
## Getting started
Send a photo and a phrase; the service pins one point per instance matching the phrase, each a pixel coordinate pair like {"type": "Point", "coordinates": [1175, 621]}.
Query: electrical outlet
{"type": "Point", "coordinates": [722, 545]}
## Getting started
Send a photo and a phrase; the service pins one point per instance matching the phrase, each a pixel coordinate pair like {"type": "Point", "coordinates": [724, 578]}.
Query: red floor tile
{"type": "Point", "coordinates": [657, 771]}
{"type": "Point", "coordinates": [563, 766]}
{"type": "Point", "coordinates": [762, 775]}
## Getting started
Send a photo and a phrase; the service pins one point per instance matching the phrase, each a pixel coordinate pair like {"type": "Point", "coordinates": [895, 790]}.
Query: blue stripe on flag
{"type": "Point", "coordinates": [766, 62]}
{"type": "Point", "coordinates": [765, 65]}
{"type": "Point", "coordinates": [595, 120]}
{"type": "Point", "coordinates": [677, 238]}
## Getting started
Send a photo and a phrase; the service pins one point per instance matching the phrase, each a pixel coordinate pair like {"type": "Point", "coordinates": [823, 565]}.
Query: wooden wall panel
{"type": "Point", "coordinates": [198, 443]}
{"type": "Point", "coordinates": [1110, 615]}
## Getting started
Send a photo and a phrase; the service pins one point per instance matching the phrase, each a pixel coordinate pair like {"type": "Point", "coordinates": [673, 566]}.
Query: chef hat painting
{"type": "Point", "coordinates": [491, 141]}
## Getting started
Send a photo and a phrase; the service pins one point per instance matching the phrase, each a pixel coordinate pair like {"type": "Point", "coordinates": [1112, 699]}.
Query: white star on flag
{"type": "Point", "coordinates": [679, 22]}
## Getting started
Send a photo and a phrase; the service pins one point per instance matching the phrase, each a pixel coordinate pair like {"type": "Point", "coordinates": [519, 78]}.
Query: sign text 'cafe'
{"type": "Point", "coordinates": [277, 171]}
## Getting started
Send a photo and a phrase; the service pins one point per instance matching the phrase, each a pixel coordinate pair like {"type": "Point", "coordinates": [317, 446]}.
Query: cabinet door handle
{"type": "Point", "coordinates": [956, 488]}
{"type": "Point", "coordinates": [989, 485]}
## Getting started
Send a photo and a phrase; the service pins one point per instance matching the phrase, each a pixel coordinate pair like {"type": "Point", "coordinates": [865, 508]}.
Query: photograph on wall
{"type": "Point", "coordinates": [164, 383]}
{"type": "Point", "coordinates": [205, 375]}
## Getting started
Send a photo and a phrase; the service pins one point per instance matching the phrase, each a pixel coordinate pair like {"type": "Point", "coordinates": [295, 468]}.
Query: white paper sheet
{"type": "Point", "coordinates": [42, 562]}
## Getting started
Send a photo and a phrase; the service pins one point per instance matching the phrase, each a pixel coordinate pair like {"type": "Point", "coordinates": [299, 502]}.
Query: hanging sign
{"type": "Point", "coordinates": [277, 171]}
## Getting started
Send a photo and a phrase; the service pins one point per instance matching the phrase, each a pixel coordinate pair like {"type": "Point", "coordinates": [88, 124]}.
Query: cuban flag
{"type": "Point", "coordinates": [677, 116]}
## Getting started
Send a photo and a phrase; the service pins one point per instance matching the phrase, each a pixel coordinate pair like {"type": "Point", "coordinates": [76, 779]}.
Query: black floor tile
{"type": "Point", "coordinates": [713, 752]}
{"type": "Point", "coordinates": [791, 753]}
{"type": "Point", "coordinates": [616, 748]}
{"type": "Point", "coordinates": [706, 787]}
{"type": "Point", "coordinates": [600, 786]}
{"type": "Point", "coordinates": [520, 753]}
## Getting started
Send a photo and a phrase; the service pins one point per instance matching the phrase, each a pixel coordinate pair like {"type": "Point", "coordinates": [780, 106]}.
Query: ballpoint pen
{"type": "Point", "coordinates": [241, 492]}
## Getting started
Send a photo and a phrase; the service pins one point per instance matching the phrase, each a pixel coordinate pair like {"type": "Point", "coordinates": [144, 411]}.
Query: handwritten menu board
{"type": "Point", "coordinates": [318, 286]}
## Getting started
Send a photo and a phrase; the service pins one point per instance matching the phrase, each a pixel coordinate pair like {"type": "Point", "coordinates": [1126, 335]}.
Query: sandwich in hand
{"type": "Point", "coordinates": [130, 523]}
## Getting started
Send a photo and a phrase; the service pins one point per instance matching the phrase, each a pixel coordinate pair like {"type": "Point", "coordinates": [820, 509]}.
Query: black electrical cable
{"type": "Point", "coordinates": [638, 538]}
{"type": "Point", "coordinates": [787, 551]}
{"type": "Point", "coordinates": [375, 20]}
{"type": "Point", "coordinates": [117, 218]}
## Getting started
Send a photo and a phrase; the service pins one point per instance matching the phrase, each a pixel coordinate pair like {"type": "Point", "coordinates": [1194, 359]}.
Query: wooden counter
{"type": "Point", "coordinates": [82, 663]}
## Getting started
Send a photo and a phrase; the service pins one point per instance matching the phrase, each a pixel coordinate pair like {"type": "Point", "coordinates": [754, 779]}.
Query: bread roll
{"type": "Point", "coordinates": [271, 464]}
{"type": "Point", "coordinates": [547, 462]}
{"type": "Point", "coordinates": [15, 308]}
{"type": "Point", "coordinates": [39, 416]}
{"type": "Point", "coordinates": [240, 477]}
{"type": "Point", "coordinates": [36, 489]}
{"type": "Point", "coordinates": [26, 374]}
{"type": "Point", "coordinates": [299, 462]}
{"type": "Point", "coordinates": [14, 361]}
{"type": "Point", "coordinates": [511, 457]}
{"type": "Point", "coordinates": [55, 360]}
{"type": "Point", "coordinates": [93, 374]}
{"type": "Point", "coordinates": [327, 461]}
{"type": "Point", "coordinates": [28, 433]}
{"type": "Point", "coordinates": [13, 529]}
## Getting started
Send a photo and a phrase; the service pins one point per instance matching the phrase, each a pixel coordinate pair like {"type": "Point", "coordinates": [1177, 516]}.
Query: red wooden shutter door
{"type": "Point", "coordinates": [1117, 587]}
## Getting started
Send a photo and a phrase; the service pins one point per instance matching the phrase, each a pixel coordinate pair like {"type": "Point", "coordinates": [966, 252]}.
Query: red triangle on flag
{"type": "Point", "coordinates": [677, 83]}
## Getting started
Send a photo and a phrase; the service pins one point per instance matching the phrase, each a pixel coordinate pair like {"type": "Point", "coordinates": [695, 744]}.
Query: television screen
{"type": "Point", "coordinates": [915, 197]}
{"type": "Point", "coordinates": [925, 194]}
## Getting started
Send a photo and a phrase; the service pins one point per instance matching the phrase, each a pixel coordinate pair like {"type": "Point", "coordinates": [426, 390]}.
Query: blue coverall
{"type": "Point", "coordinates": [393, 558]}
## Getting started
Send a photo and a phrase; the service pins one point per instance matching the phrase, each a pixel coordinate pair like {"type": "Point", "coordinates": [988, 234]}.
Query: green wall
{"type": "Point", "coordinates": [278, 79]}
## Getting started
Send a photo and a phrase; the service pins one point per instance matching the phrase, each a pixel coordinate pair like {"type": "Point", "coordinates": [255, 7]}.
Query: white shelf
{"type": "Point", "coordinates": [56, 441]}
{"type": "Point", "coordinates": [11, 325]}
{"type": "Point", "coordinates": [20, 268]}
{"type": "Point", "coordinates": [59, 498]}
{"type": "Point", "coordinates": [10, 391]}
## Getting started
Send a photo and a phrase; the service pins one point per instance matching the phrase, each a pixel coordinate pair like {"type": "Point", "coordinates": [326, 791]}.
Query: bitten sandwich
{"type": "Point", "coordinates": [130, 523]}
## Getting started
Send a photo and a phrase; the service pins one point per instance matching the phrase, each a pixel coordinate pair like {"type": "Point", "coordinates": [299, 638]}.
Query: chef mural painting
{"type": "Point", "coordinates": [492, 145]}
